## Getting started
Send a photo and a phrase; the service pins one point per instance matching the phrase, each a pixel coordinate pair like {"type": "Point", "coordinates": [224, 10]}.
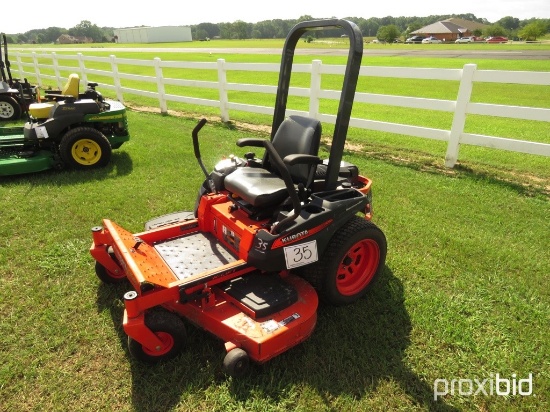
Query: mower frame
{"type": "Point", "coordinates": [250, 278]}
{"type": "Point", "coordinates": [76, 132]}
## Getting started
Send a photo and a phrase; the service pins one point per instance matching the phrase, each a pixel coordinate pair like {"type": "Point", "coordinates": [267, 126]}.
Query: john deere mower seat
{"type": "Point", "coordinates": [71, 88]}
{"type": "Point", "coordinates": [263, 187]}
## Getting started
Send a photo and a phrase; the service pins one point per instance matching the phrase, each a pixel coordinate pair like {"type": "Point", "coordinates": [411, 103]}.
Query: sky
{"type": "Point", "coordinates": [119, 14]}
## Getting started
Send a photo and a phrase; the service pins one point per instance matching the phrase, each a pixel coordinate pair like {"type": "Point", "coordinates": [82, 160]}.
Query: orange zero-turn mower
{"type": "Point", "coordinates": [268, 236]}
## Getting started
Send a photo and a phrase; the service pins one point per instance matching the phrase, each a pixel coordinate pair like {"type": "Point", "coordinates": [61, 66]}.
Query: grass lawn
{"type": "Point", "coordinates": [464, 294]}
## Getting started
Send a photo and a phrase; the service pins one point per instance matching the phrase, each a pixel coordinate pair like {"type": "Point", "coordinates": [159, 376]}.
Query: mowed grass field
{"type": "Point", "coordinates": [462, 304]}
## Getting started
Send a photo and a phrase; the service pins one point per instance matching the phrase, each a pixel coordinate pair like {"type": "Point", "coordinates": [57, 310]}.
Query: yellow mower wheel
{"type": "Point", "coordinates": [85, 147]}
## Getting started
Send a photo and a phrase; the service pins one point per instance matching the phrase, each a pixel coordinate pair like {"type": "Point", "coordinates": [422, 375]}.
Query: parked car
{"type": "Point", "coordinates": [469, 39]}
{"type": "Point", "coordinates": [431, 39]}
{"type": "Point", "coordinates": [415, 39]}
{"type": "Point", "coordinates": [497, 39]}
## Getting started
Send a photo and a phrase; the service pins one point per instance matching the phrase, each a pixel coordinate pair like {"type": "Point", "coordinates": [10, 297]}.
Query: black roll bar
{"type": "Point", "coordinates": [351, 76]}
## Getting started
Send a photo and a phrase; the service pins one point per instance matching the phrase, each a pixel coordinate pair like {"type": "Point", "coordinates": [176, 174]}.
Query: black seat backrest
{"type": "Point", "coordinates": [263, 187]}
{"type": "Point", "coordinates": [297, 135]}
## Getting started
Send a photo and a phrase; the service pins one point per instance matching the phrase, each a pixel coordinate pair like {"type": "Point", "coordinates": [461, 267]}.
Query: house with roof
{"type": "Point", "coordinates": [450, 29]}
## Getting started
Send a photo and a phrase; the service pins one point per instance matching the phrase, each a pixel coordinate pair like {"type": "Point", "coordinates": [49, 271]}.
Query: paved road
{"type": "Point", "coordinates": [464, 54]}
{"type": "Point", "coordinates": [414, 51]}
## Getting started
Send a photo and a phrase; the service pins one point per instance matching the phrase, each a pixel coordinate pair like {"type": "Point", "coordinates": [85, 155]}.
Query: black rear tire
{"type": "Point", "coordinates": [85, 148]}
{"type": "Point", "coordinates": [9, 108]}
{"type": "Point", "coordinates": [352, 261]}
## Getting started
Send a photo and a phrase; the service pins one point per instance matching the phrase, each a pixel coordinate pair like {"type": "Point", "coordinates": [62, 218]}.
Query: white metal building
{"type": "Point", "coordinates": [164, 34]}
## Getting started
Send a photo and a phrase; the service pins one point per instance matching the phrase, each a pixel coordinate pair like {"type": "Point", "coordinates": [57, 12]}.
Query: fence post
{"type": "Point", "coordinates": [56, 70]}
{"type": "Point", "coordinates": [116, 78]}
{"type": "Point", "coordinates": [222, 90]}
{"type": "Point", "coordinates": [459, 119]}
{"type": "Point", "coordinates": [36, 69]}
{"type": "Point", "coordinates": [160, 86]}
{"type": "Point", "coordinates": [20, 66]}
{"type": "Point", "coordinates": [82, 69]}
{"type": "Point", "coordinates": [315, 88]}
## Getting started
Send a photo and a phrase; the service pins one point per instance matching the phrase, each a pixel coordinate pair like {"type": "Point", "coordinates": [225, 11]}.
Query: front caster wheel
{"type": "Point", "coordinates": [170, 329]}
{"type": "Point", "coordinates": [236, 363]}
{"type": "Point", "coordinates": [108, 276]}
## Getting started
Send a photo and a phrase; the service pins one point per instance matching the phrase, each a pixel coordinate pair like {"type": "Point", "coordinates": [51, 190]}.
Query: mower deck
{"type": "Point", "coordinates": [13, 161]}
{"type": "Point", "coordinates": [192, 273]}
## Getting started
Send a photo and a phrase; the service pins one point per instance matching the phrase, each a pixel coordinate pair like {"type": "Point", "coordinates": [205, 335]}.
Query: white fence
{"type": "Point", "coordinates": [28, 65]}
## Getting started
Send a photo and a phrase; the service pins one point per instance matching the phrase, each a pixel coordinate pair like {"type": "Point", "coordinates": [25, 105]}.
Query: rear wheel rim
{"type": "Point", "coordinates": [86, 152]}
{"type": "Point", "coordinates": [6, 110]}
{"type": "Point", "coordinates": [357, 267]}
{"type": "Point", "coordinates": [167, 345]}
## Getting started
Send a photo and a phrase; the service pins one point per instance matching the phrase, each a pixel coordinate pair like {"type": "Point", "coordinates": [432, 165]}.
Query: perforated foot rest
{"type": "Point", "coordinates": [264, 294]}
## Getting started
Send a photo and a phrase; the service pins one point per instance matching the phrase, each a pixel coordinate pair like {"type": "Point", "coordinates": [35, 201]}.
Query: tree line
{"type": "Point", "coordinates": [278, 28]}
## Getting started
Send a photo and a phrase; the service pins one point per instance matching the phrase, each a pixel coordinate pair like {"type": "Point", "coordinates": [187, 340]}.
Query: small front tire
{"type": "Point", "coordinates": [170, 329]}
{"type": "Point", "coordinates": [236, 363]}
{"type": "Point", "coordinates": [106, 276]}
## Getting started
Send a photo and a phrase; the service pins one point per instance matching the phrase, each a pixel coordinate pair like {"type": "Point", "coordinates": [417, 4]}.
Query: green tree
{"type": "Point", "coordinates": [509, 23]}
{"type": "Point", "coordinates": [412, 27]}
{"type": "Point", "coordinates": [237, 30]}
{"type": "Point", "coordinates": [388, 33]}
{"type": "Point", "coordinates": [86, 29]}
{"type": "Point", "coordinates": [369, 27]}
{"type": "Point", "coordinates": [305, 17]}
{"type": "Point", "coordinates": [225, 30]}
{"type": "Point", "coordinates": [533, 30]}
{"type": "Point", "coordinates": [495, 30]}
{"type": "Point", "coordinates": [210, 30]}
{"type": "Point", "coordinates": [51, 34]}
{"type": "Point", "coordinates": [283, 27]}
{"type": "Point", "coordinates": [200, 34]}
{"type": "Point", "coordinates": [265, 30]}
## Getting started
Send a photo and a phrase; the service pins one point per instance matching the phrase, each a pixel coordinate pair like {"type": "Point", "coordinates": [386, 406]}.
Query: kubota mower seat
{"type": "Point", "coordinates": [263, 187]}
{"type": "Point", "coordinates": [43, 110]}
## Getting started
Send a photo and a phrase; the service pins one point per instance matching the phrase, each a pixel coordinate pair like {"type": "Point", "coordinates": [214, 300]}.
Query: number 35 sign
{"type": "Point", "coordinates": [302, 254]}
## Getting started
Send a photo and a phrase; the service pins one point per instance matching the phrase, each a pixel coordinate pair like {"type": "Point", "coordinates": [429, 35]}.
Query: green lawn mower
{"type": "Point", "coordinates": [67, 129]}
{"type": "Point", "coordinates": [15, 95]}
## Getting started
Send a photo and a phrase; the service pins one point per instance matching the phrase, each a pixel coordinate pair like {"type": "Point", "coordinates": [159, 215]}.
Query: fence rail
{"type": "Point", "coordinates": [28, 64]}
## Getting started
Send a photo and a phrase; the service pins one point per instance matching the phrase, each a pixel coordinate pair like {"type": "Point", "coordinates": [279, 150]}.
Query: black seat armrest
{"type": "Point", "coordinates": [251, 141]}
{"type": "Point", "coordinates": [297, 159]}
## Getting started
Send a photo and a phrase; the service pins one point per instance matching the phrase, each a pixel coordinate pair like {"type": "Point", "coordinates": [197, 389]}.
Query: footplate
{"type": "Point", "coordinates": [192, 254]}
